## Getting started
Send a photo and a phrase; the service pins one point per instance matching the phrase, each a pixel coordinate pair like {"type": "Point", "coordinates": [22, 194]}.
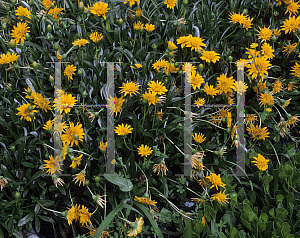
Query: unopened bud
{"type": "Point", "coordinates": [230, 58]}
{"type": "Point", "coordinates": [201, 66]}
{"type": "Point", "coordinates": [31, 114]}
{"type": "Point", "coordinates": [49, 28]}
{"type": "Point", "coordinates": [79, 72]}
{"type": "Point", "coordinates": [97, 179]}
{"type": "Point", "coordinates": [76, 137]}
{"type": "Point", "coordinates": [34, 65]}
{"type": "Point", "coordinates": [81, 6]}
{"type": "Point", "coordinates": [120, 21]}
{"type": "Point", "coordinates": [274, 38]}
{"type": "Point", "coordinates": [141, 30]}
{"type": "Point", "coordinates": [30, 108]}
{"type": "Point", "coordinates": [51, 79]}
{"type": "Point", "coordinates": [4, 25]}
{"type": "Point", "coordinates": [17, 195]}
{"type": "Point", "coordinates": [84, 94]}
{"type": "Point", "coordinates": [52, 5]}
{"type": "Point", "coordinates": [27, 36]}
{"type": "Point", "coordinates": [12, 44]}
{"type": "Point", "coordinates": [185, 2]}
{"type": "Point", "coordinates": [245, 11]}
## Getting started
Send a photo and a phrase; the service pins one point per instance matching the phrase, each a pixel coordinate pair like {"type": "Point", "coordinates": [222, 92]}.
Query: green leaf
{"type": "Point", "coordinates": [261, 226]}
{"type": "Point", "coordinates": [5, 172]}
{"type": "Point", "coordinates": [46, 203]}
{"type": "Point", "coordinates": [109, 219]}
{"type": "Point", "coordinates": [37, 224]}
{"type": "Point", "coordinates": [26, 219]}
{"type": "Point", "coordinates": [149, 216]}
{"type": "Point", "coordinates": [47, 219]}
{"type": "Point", "coordinates": [35, 176]}
{"type": "Point", "coordinates": [124, 184]}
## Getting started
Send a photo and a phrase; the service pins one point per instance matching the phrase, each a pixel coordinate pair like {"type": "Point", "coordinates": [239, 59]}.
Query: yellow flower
{"type": "Point", "coordinates": [290, 48]}
{"type": "Point", "coordinates": [69, 71]}
{"type": "Point", "coordinates": [58, 56]}
{"type": "Point", "coordinates": [80, 178]}
{"type": "Point", "coordinates": [144, 150]}
{"type": "Point", "coordinates": [157, 87]}
{"type": "Point", "coordinates": [220, 197]}
{"type": "Point", "coordinates": [52, 165]}
{"type": "Point", "coordinates": [73, 213]}
{"type": "Point", "coordinates": [80, 42]}
{"type": "Point", "coordinates": [84, 216]}
{"type": "Point", "coordinates": [96, 37]}
{"type": "Point", "coordinates": [115, 104]}
{"type": "Point", "coordinates": [247, 24]}
{"type": "Point", "coordinates": [132, 2]}
{"type": "Point", "coordinates": [292, 8]}
{"type": "Point", "coordinates": [19, 32]}
{"type": "Point", "coordinates": [287, 103]}
{"type": "Point", "coordinates": [197, 80]}
{"type": "Point", "coordinates": [210, 56]}
{"type": "Point", "coordinates": [170, 68]}
{"type": "Point", "coordinates": [138, 25]}
{"type": "Point", "coordinates": [129, 88]}
{"type": "Point", "coordinates": [67, 102]}
{"type": "Point", "coordinates": [199, 102]}
{"type": "Point", "coordinates": [296, 69]}
{"type": "Point", "coordinates": [59, 127]}
{"type": "Point", "coordinates": [277, 87]}
{"type": "Point", "coordinates": [146, 201]}
{"type": "Point", "coordinates": [267, 51]}
{"type": "Point", "coordinates": [160, 168]}
{"type": "Point", "coordinates": [54, 12]}
{"type": "Point", "coordinates": [290, 86]}
{"type": "Point", "coordinates": [170, 3]}
{"type": "Point", "coordinates": [3, 182]}
{"type": "Point", "coordinates": [103, 146]}
{"type": "Point", "coordinates": [171, 46]}
{"type": "Point", "coordinates": [99, 8]}
{"type": "Point", "coordinates": [265, 34]}
{"type": "Point", "coordinates": [199, 138]}
{"type": "Point", "coordinates": [137, 227]}
{"type": "Point", "coordinates": [268, 110]}
{"type": "Point", "coordinates": [183, 40]}
{"type": "Point", "coordinates": [291, 25]}
{"type": "Point", "coordinates": [261, 162]}
{"type": "Point", "coordinates": [293, 120]}
{"type": "Point", "coordinates": [73, 134]}
{"type": "Point", "coordinates": [215, 180]}
{"type": "Point", "coordinates": [266, 99]}
{"type": "Point", "coordinates": [240, 87]}
{"type": "Point", "coordinates": [41, 102]}
{"type": "Point", "coordinates": [225, 85]}
{"type": "Point", "coordinates": [47, 3]}
{"type": "Point", "coordinates": [210, 90]}
{"type": "Point", "coordinates": [149, 27]}
{"type": "Point", "coordinates": [123, 130]}
{"type": "Point", "coordinates": [160, 64]}
{"type": "Point", "coordinates": [253, 45]}
{"type": "Point", "coordinates": [160, 114]}
{"type": "Point", "coordinates": [76, 161]}
{"type": "Point", "coordinates": [49, 125]}
{"type": "Point", "coordinates": [138, 12]}
{"type": "Point", "coordinates": [250, 118]}
{"type": "Point", "coordinates": [276, 32]}
{"type": "Point", "coordinates": [99, 199]}
{"type": "Point", "coordinates": [150, 97]}
{"type": "Point", "coordinates": [23, 11]}
{"type": "Point", "coordinates": [195, 43]}
{"type": "Point", "coordinates": [8, 58]}
{"type": "Point", "coordinates": [136, 66]}
{"type": "Point", "coordinates": [259, 67]}
{"type": "Point", "coordinates": [24, 111]}
{"type": "Point", "coordinates": [257, 132]}
{"type": "Point", "coordinates": [237, 18]}
{"type": "Point", "coordinates": [241, 63]}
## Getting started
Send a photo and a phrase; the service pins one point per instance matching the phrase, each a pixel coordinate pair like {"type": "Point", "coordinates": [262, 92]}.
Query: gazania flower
{"type": "Point", "coordinates": [250, 118]}
{"type": "Point", "coordinates": [199, 138]}
{"type": "Point", "coordinates": [144, 150]}
{"type": "Point", "coordinates": [215, 180]}
{"type": "Point", "coordinates": [73, 134]}
{"type": "Point", "coordinates": [132, 2]}
{"type": "Point", "coordinates": [149, 27]}
{"type": "Point", "coordinates": [296, 70]}
{"type": "Point", "coordinates": [261, 162]}
{"type": "Point", "coordinates": [99, 199]}
{"type": "Point", "coordinates": [55, 12]}
{"type": "Point", "coordinates": [267, 51]}
{"type": "Point", "coordinates": [170, 3]}
{"type": "Point", "coordinates": [103, 146]}
{"type": "Point", "coordinates": [69, 71]}
{"type": "Point", "coordinates": [137, 25]}
{"type": "Point", "coordinates": [160, 115]}
{"type": "Point", "coordinates": [247, 23]}
{"type": "Point", "coordinates": [84, 216]}
{"type": "Point", "coordinates": [197, 200]}
{"type": "Point", "coordinates": [220, 197]}
{"type": "Point", "coordinates": [123, 130]}
{"type": "Point", "coordinates": [80, 178]}
{"type": "Point", "coordinates": [196, 43]}
{"type": "Point", "coordinates": [52, 165]}
{"type": "Point", "coordinates": [159, 64]}
{"type": "Point", "coordinates": [183, 40]}
{"type": "Point", "coordinates": [58, 56]}
{"type": "Point", "coordinates": [130, 88]}
{"type": "Point", "coordinates": [290, 86]}
{"type": "Point", "coordinates": [73, 214]}
{"type": "Point", "coordinates": [99, 9]}
{"type": "Point", "coordinates": [265, 34]}
{"type": "Point", "coordinates": [286, 103]}
{"type": "Point", "coordinates": [137, 227]}
{"type": "Point", "coordinates": [290, 48]}
{"type": "Point", "coordinates": [146, 201]}
{"type": "Point", "coordinates": [115, 104]}
{"type": "Point", "coordinates": [197, 80]}
{"type": "Point", "coordinates": [24, 111]}
{"type": "Point", "coordinates": [196, 164]}
{"type": "Point", "coordinates": [3, 182]}
{"type": "Point", "coordinates": [8, 58]}
{"type": "Point", "coordinates": [171, 46]}
{"type": "Point", "coordinates": [199, 102]}
{"type": "Point", "coordinates": [49, 125]}
{"type": "Point", "coordinates": [225, 85]}
{"type": "Point", "coordinates": [237, 18]}
{"type": "Point", "coordinates": [80, 42]}
{"type": "Point", "coordinates": [19, 32]}
{"type": "Point", "coordinates": [96, 37]}
{"type": "Point", "coordinates": [157, 87]}
{"type": "Point", "coordinates": [277, 87]}
{"type": "Point", "coordinates": [41, 102]}
{"type": "Point", "coordinates": [291, 24]}
{"type": "Point", "coordinates": [136, 66]}
{"type": "Point", "coordinates": [266, 99]}
{"type": "Point", "coordinates": [160, 168]}
{"type": "Point", "coordinates": [23, 11]}
{"type": "Point", "coordinates": [59, 127]}
{"type": "Point", "coordinates": [138, 12]}
{"type": "Point", "coordinates": [150, 97]}
{"type": "Point", "coordinates": [293, 120]}
{"type": "Point", "coordinates": [259, 67]}
{"type": "Point", "coordinates": [210, 90]}
{"type": "Point", "coordinates": [258, 133]}
{"type": "Point", "coordinates": [64, 103]}
{"type": "Point", "coordinates": [210, 56]}
{"type": "Point", "coordinates": [76, 161]}
{"type": "Point", "coordinates": [292, 8]}
{"type": "Point", "coordinates": [57, 180]}
{"type": "Point", "coordinates": [170, 68]}
{"type": "Point", "coordinates": [47, 3]}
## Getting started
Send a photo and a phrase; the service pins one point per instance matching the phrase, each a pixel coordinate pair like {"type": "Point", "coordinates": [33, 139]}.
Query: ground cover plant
{"type": "Point", "coordinates": [149, 42]}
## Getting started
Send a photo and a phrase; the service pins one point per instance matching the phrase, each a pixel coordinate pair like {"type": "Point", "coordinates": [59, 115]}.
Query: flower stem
{"type": "Point", "coordinates": [145, 177]}
{"type": "Point", "coordinates": [127, 146]}
{"type": "Point", "coordinates": [48, 208]}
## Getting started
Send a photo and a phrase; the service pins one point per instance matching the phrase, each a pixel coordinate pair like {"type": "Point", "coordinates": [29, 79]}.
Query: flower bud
{"type": "Point", "coordinates": [180, 72]}
{"type": "Point", "coordinates": [76, 137]}
{"type": "Point", "coordinates": [13, 2]}
{"type": "Point", "coordinates": [30, 108]}
{"type": "Point", "coordinates": [27, 36]}
{"type": "Point", "coordinates": [171, 54]}
{"type": "Point", "coordinates": [230, 58]}
{"type": "Point", "coordinates": [81, 6]}
{"type": "Point", "coordinates": [79, 72]}
{"type": "Point", "coordinates": [34, 65]}
{"type": "Point", "coordinates": [17, 195]}
{"type": "Point", "coordinates": [84, 94]}
{"type": "Point", "coordinates": [248, 34]}
{"type": "Point", "coordinates": [141, 30]}
{"type": "Point", "coordinates": [12, 44]}
{"type": "Point", "coordinates": [12, 148]}
{"type": "Point", "coordinates": [144, 101]}
{"type": "Point", "coordinates": [4, 25]}
{"type": "Point", "coordinates": [154, 46]}
{"type": "Point", "coordinates": [51, 79]}
{"type": "Point", "coordinates": [245, 11]}
{"type": "Point", "coordinates": [97, 179]}
{"type": "Point", "coordinates": [31, 114]}
{"type": "Point", "coordinates": [120, 21]}
{"type": "Point", "coordinates": [87, 182]}
{"type": "Point", "coordinates": [49, 28]}
{"type": "Point", "coordinates": [201, 66]}
{"type": "Point", "coordinates": [185, 2]}
{"type": "Point", "coordinates": [146, 195]}
{"type": "Point", "coordinates": [30, 3]}
{"type": "Point", "coordinates": [52, 5]}
{"type": "Point", "coordinates": [274, 38]}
